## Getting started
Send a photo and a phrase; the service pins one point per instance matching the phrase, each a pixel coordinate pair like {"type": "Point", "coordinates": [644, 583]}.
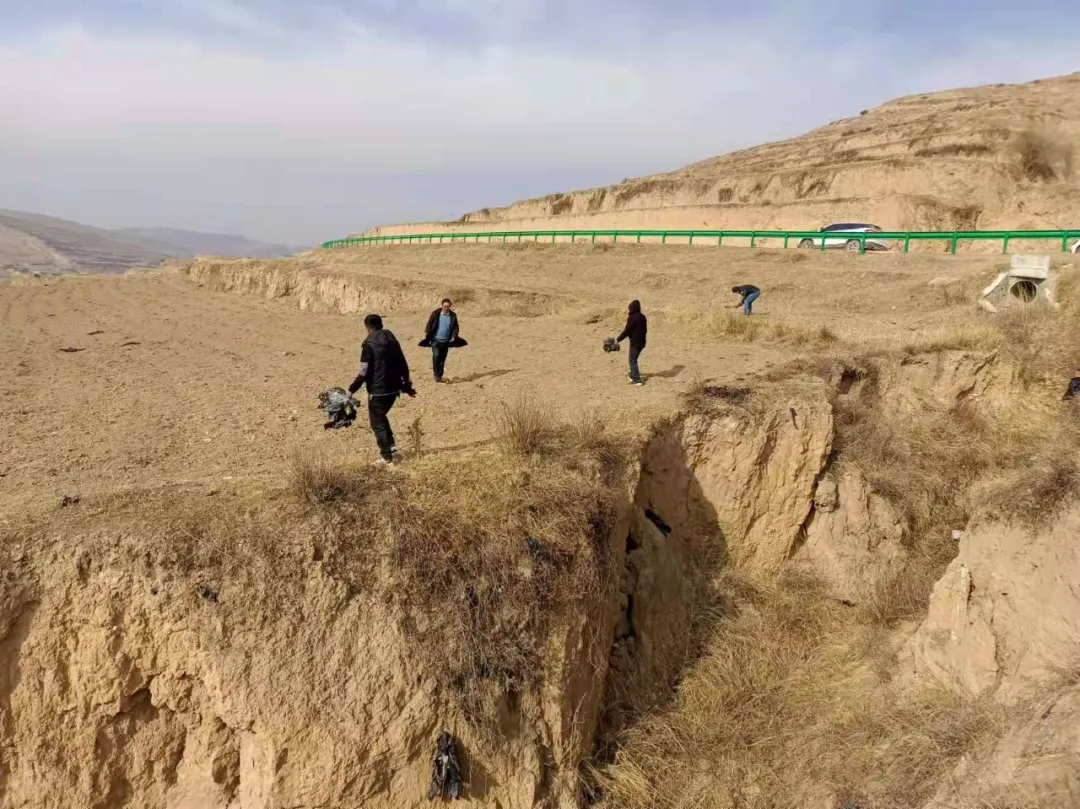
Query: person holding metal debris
{"type": "Point", "coordinates": [750, 293]}
{"type": "Point", "coordinates": [637, 327]}
{"type": "Point", "coordinates": [441, 334]}
{"type": "Point", "coordinates": [386, 373]}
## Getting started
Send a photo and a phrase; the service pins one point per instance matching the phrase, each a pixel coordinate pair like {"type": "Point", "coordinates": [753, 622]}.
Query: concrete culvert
{"type": "Point", "coordinates": [1024, 291]}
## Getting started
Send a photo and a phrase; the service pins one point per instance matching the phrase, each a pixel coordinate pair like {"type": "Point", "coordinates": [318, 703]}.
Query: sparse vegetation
{"type": "Point", "coordinates": [785, 710]}
{"type": "Point", "coordinates": [317, 481]}
{"type": "Point", "coordinates": [955, 150]}
{"type": "Point", "coordinates": [1042, 157]}
{"type": "Point", "coordinates": [728, 325]}
{"type": "Point", "coordinates": [525, 427]}
{"type": "Point", "coordinates": [416, 437]}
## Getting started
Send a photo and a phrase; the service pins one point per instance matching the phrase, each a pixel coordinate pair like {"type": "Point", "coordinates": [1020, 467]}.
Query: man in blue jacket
{"type": "Point", "coordinates": [441, 334]}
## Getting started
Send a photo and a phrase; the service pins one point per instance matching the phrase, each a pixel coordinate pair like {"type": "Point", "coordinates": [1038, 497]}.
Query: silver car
{"type": "Point", "coordinates": [844, 241]}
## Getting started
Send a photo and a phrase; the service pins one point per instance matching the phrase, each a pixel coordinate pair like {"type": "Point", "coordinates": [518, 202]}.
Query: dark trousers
{"type": "Point", "coordinates": [635, 372]}
{"type": "Point", "coordinates": [377, 408]}
{"type": "Point", "coordinates": [438, 358]}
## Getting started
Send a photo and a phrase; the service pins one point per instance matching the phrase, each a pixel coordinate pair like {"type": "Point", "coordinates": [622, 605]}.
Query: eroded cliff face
{"type": "Point", "coordinates": [131, 689]}
{"type": "Point", "coordinates": [141, 673]}
{"type": "Point", "coordinates": [130, 679]}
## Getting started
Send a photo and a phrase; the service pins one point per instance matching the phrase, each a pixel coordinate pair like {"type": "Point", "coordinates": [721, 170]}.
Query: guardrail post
{"type": "Point", "coordinates": [1005, 244]}
{"type": "Point", "coordinates": [786, 237]}
{"type": "Point", "coordinates": [753, 238]}
{"type": "Point", "coordinates": [1065, 242]}
{"type": "Point", "coordinates": [907, 241]}
{"type": "Point", "coordinates": [593, 237]}
{"type": "Point", "coordinates": [720, 239]}
{"type": "Point", "coordinates": [614, 236]}
{"type": "Point", "coordinates": [691, 237]}
{"type": "Point", "coordinates": [638, 239]}
{"type": "Point", "coordinates": [862, 244]}
{"type": "Point", "coordinates": [663, 237]}
{"type": "Point", "coordinates": [955, 239]}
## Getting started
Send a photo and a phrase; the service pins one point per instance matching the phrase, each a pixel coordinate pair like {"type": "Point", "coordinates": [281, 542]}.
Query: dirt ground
{"type": "Point", "coordinates": [149, 380]}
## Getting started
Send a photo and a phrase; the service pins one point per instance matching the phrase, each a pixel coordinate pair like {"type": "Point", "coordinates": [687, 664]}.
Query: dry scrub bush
{"type": "Point", "coordinates": [783, 711]}
{"type": "Point", "coordinates": [318, 481]}
{"type": "Point", "coordinates": [1042, 157]}
{"type": "Point", "coordinates": [524, 426]}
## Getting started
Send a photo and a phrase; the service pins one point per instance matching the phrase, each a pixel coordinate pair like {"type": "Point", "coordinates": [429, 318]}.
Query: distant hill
{"type": "Point", "coordinates": [1001, 156]}
{"type": "Point", "coordinates": [35, 243]}
{"type": "Point", "coordinates": [45, 244]}
{"type": "Point", "coordinates": [194, 243]}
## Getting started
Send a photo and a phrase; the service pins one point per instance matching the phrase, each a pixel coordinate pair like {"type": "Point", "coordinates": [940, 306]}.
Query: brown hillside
{"type": "Point", "coordinates": [985, 157]}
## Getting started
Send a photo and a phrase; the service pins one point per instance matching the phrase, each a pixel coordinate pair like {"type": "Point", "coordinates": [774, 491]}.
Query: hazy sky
{"type": "Point", "coordinates": [302, 121]}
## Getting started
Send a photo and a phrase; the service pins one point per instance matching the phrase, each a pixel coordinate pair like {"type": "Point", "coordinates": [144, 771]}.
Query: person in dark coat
{"type": "Point", "coordinates": [441, 334]}
{"type": "Point", "coordinates": [750, 293]}
{"type": "Point", "coordinates": [637, 326]}
{"type": "Point", "coordinates": [386, 373]}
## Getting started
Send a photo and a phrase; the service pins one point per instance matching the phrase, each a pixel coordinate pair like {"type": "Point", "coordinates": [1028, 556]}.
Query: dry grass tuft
{"type": "Point", "coordinates": [317, 481]}
{"type": "Point", "coordinates": [962, 337]}
{"type": "Point", "coordinates": [416, 437]}
{"type": "Point", "coordinates": [525, 427]}
{"type": "Point", "coordinates": [587, 431]}
{"type": "Point", "coordinates": [727, 325]}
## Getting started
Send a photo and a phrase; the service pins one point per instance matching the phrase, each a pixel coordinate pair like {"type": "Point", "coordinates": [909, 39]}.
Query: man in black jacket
{"type": "Point", "coordinates": [386, 373]}
{"type": "Point", "coordinates": [441, 333]}
{"type": "Point", "coordinates": [637, 326]}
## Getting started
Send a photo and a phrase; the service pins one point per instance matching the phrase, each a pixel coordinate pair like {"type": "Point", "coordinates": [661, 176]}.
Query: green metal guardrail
{"type": "Point", "coordinates": [800, 236]}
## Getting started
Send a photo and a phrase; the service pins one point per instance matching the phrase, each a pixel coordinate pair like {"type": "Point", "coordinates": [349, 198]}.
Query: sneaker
{"type": "Point", "coordinates": [636, 383]}
{"type": "Point", "coordinates": [393, 450]}
{"type": "Point", "coordinates": [383, 462]}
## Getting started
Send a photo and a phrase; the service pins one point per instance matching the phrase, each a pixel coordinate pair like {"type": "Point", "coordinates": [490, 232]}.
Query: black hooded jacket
{"type": "Point", "coordinates": [637, 326]}
{"type": "Point", "coordinates": [382, 366]}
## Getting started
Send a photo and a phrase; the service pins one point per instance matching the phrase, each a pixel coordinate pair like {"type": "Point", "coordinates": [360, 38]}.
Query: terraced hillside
{"type": "Point", "coordinates": [984, 157]}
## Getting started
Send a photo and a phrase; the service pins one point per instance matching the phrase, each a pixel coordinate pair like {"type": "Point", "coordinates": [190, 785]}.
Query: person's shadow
{"type": "Point", "coordinates": [670, 373]}
{"type": "Point", "coordinates": [485, 375]}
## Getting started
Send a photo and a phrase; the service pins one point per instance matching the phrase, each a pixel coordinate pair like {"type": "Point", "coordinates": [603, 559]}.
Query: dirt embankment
{"type": "Point", "coordinates": [981, 158]}
{"type": "Point", "coordinates": [828, 572]}
{"type": "Point", "coordinates": [303, 647]}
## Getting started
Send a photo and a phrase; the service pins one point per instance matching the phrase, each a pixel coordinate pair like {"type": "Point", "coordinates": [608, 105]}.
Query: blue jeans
{"type": "Point", "coordinates": [635, 372]}
{"type": "Point", "coordinates": [748, 304]}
